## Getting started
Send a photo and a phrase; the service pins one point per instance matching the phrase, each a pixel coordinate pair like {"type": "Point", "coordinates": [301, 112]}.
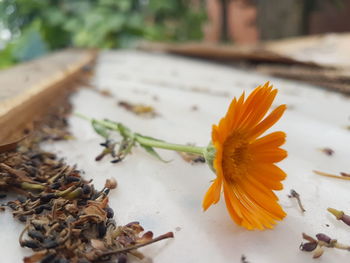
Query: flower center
{"type": "Point", "coordinates": [236, 157]}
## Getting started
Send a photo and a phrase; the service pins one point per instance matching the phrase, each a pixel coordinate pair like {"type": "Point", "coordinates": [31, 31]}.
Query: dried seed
{"type": "Point", "coordinates": [61, 260]}
{"type": "Point", "coordinates": [49, 243]}
{"type": "Point", "coordinates": [55, 185]}
{"type": "Point", "coordinates": [310, 246]}
{"type": "Point", "coordinates": [86, 189]}
{"type": "Point", "coordinates": [110, 212]}
{"type": "Point", "coordinates": [30, 244]}
{"type": "Point", "coordinates": [36, 235]}
{"type": "Point", "coordinates": [72, 179]}
{"type": "Point", "coordinates": [48, 259]}
{"type": "Point", "coordinates": [102, 229]}
{"type": "Point", "coordinates": [323, 237]}
{"type": "Point", "coordinates": [38, 209]}
{"type": "Point", "coordinates": [22, 218]}
{"type": "Point", "coordinates": [47, 197]}
{"type": "Point", "coordinates": [122, 258]}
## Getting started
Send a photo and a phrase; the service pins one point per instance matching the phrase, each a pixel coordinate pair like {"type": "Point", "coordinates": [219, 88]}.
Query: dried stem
{"type": "Point", "coordinates": [127, 249]}
{"type": "Point", "coordinates": [331, 175]}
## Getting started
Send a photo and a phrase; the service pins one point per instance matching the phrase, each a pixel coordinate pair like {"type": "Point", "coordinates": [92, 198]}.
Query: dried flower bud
{"type": "Point", "coordinates": [310, 246]}
{"type": "Point", "coordinates": [111, 183]}
{"type": "Point", "coordinates": [324, 238]}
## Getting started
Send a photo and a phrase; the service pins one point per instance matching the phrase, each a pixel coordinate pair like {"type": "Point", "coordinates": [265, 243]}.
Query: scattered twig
{"type": "Point", "coordinates": [295, 194]}
{"type": "Point", "coordinates": [342, 176]}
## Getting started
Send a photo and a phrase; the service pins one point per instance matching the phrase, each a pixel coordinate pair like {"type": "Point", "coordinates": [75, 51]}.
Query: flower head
{"type": "Point", "coordinates": [245, 162]}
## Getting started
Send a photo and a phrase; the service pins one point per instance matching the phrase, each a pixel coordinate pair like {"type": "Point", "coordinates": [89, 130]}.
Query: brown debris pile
{"type": "Point", "coordinates": [66, 218]}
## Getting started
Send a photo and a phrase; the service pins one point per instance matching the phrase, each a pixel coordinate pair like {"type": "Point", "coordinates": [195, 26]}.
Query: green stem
{"type": "Point", "coordinates": [170, 146]}
{"type": "Point", "coordinates": [148, 141]}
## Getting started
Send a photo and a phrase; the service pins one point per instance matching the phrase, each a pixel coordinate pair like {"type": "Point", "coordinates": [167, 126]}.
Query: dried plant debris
{"type": "Point", "coordinates": [342, 175]}
{"type": "Point", "coordinates": [340, 215]}
{"type": "Point", "coordinates": [296, 195]}
{"type": "Point", "coordinates": [192, 158]}
{"type": "Point", "coordinates": [345, 174]}
{"type": "Point", "coordinates": [105, 92]}
{"type": "Point", "coordinates": [244, 259]}
{"type": "Point", "coordinates": [139, 109]}
{"type": "Point", "coordinates": [328, 151]}
{"type": "Point", "coordinates": [109, 148]}
{"type": "Point", "coordinates": [317, 245]}
{"type": "Point", "coordinates": [194, 108]}
{"type": "Point", "coordinates": [66, 218]}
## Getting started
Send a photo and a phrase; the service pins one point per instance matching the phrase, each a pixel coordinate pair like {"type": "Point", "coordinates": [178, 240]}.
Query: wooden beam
{"type": "Point", "coordinates": [29, 90]}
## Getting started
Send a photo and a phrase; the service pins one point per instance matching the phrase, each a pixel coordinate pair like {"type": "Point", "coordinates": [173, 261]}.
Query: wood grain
{"type": "Point", "coordinates": [29, 90]}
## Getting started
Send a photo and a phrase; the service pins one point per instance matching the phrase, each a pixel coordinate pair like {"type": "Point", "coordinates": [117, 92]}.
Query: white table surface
{"type": "Point", "coordinates": [167, 197]}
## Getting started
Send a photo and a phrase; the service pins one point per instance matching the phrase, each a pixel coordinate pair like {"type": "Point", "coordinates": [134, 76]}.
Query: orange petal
{"type": "Point", "coordinates": [269, 155]}
{"type": "Point", "coordinates": [270, 120]}
{"type": "Point", "coordinates": [274, 139]}
{"type": "Point", "coordinates": [213, 194]}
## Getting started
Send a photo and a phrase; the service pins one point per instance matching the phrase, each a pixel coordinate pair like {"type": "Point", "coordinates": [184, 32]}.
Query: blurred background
{"type": "Point", "coordinates": [31, 28]}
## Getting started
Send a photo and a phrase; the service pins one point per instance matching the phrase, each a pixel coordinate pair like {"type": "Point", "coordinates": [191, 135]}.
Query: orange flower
{"type": "Point", "coordinates": [244, 161]}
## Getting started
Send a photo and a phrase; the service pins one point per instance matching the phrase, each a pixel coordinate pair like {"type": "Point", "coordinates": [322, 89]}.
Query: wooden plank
{"type": "Point", "coordinates": [228, 53]}
{"type": "Point", "coordinates": [29, 90]}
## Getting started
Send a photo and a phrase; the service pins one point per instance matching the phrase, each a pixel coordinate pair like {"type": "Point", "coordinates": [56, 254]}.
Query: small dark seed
{"type": "Point", "coordinates": [323, 237]}
{"type": "Point", "coordinates": [38, 209]}
{"type": "Point", "coordinates": [102, 229]}
{"type": "Point", "coordinates": [71, 179]}
{"type": "Point", "coordinates": [110, 212]}
{"type": "Point", "coordinates": [46, 207]}
{"type": "Point", "coordinates": [310, 246]}
{"type": "Point", "coordinates": [46, 198]}
{"type": "Point", "coordinates": [86, 189]}
{"type": "Point", "coordinates": [22, 219]}
{"type": "Point", "coordinates": [61, 260]}
{"type": "Point", "coordinates": [55, 185]}
{"type": "Point", "coordinates": [122, 258]}
{"type": "Point", "coordinates": [346, 219]}
{"type": "Point", "coordinates": [48, 259]}
{"type": "Point", "coordinates": [36, 235]}
{"type": "Point", "coordinates": [49, 243]}
{"type": "Point", "coordinates": [30, 244]}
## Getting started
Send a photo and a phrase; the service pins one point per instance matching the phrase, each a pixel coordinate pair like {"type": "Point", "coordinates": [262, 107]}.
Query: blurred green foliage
{"type": "Point", "coordinates": [38, 26]}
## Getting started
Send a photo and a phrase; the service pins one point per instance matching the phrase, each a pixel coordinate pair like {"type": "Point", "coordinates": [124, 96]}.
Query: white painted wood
{"type": "Point", "coordinates": [167, 197]}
